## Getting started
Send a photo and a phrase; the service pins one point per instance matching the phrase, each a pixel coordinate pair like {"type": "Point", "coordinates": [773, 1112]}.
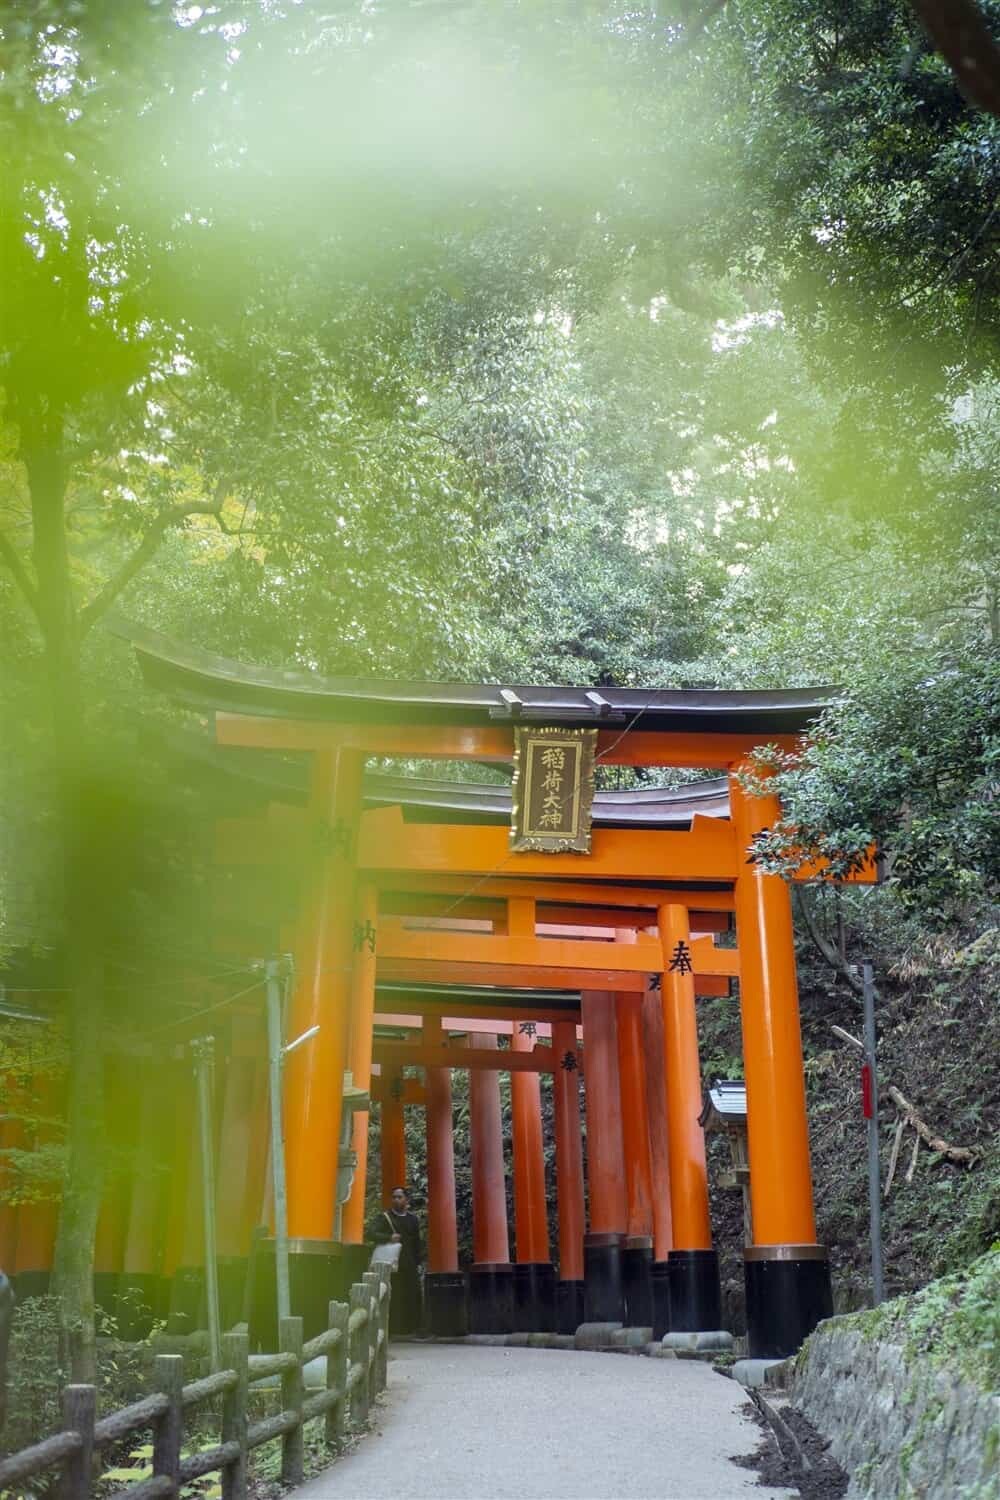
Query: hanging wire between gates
{"type": "Point", "coordinates": [208, 1009]}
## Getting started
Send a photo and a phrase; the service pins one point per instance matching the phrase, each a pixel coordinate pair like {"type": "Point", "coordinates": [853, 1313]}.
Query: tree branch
{"type": "Point", "coordinates": [146, 549]}
{"type": "Point", "coordinates": [825, 949]}
{"type": "Point", "coordinates": [845, 1036]}
{"type": "Point", "coordinates": [959, 31]}
{"type": "Point", "coordinates": [17, 568]}
{"type": "Point", "coordinates": [962, 1154]}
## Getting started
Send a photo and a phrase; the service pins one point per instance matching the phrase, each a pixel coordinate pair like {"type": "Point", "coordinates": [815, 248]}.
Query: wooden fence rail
{"type": "Point", "coordinates": [356, 1349]}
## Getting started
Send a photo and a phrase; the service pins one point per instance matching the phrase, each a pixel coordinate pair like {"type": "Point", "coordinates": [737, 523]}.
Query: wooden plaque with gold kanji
{"type": "Point", "coordinates": [553, 790]}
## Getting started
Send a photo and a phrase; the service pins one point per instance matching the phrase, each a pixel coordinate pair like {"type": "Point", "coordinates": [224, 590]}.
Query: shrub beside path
{"type": "Point", "coordinates": [462, 1422]}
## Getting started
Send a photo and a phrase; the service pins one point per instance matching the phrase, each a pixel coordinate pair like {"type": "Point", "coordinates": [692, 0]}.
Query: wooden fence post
{"type": "Point", "coordinates": [235, 1356]}
{"type": "Point", "coordinates": [359, 1356]}
{"type": "Point", "coordinates": [292, 1399]}
{"type": "Point", "coordinates": [372, 1281]}
{"type": "Point", "coordinates": [79, 1411]}
{"type": "Point", "coordinates": [336, 1372]}
{"type": "Point", "coordinates": [168, 1377]}
{"type": "Point", "coordinates": [386, 1279]}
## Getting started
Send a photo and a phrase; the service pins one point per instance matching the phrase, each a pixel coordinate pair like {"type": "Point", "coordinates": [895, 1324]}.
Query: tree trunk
{"type": "Point", "coordinates": [78, 811]}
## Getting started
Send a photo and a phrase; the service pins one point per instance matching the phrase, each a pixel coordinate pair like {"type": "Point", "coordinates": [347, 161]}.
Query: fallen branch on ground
{"type": "Point", "coordinates": [961, 1154]}
{"type": "Point", "coordinates": [964, 1155]}
{"type": "Point", "coordinates": [845, 1036]}
{"type": "Point", "coordinates": [894, 1157]}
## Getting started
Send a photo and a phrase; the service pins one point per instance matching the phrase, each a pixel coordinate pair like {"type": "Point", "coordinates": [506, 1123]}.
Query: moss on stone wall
{"type": "Point", "coordinates": [952, 1322]}
{"type": "Point", "coordinates": [907, 1393]}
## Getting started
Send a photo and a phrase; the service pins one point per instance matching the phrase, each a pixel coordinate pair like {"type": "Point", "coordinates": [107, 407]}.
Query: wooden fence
{"type": "Point", "coordinates": [355, 1344]}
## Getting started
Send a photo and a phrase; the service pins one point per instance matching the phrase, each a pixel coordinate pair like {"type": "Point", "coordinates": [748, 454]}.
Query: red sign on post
{"type": "Point", "coordinates": [867, 1096]}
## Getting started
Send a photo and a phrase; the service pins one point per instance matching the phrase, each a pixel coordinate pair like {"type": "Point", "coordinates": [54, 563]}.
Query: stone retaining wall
{"type": "Point", "coordinates": [903, 1429]}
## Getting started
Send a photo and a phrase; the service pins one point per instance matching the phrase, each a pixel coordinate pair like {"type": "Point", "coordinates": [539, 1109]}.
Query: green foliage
{"type": "Point", "coordinates": [33, 1059]}
{"type": "Point", "coordinates": [140, 1467]}
{"type": "Point", "coordinates": [978, 1227]}
{"type": "Point", "coordinates": [718, 1030]}
{"type": "Point", "coordinates": [35, 1356]}
{"type": "Point", "coordinates": [952, 1322]}
{"type": "Point", "coordinates": [318, 1454]}
{"type": "Point", "coordinates": [33, 1409]}
{"type": "Point", "coordinates": [861, 177]}
{"type": "Point", "coordinates": [923, 793]}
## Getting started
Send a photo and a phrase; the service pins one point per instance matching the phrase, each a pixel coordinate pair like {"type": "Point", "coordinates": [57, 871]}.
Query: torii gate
{"type": "Point", "coordinates": [614, 1264]}
{"type": "Point", "coordinates": [666, 872]}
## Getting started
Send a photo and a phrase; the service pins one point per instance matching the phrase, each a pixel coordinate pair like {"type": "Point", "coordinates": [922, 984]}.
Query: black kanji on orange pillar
{"type": "Point", "coordinates": [336, 838]}
{"type": "Point", "coordinates": [364, 933]}
{"type": "Point", "coordinates": [680, 959]}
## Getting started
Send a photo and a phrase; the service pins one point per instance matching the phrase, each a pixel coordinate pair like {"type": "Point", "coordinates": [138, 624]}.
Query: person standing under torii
{"type": "Point", "coordinates": [399, 1225]}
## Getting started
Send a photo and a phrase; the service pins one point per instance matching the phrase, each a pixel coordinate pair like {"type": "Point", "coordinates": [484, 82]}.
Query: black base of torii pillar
{"type": "Point", "coordinates": [604, 1300]}
{"type": "Point", "coordinates": [534, 1297]}
{"type": "Point", "coordinates": [788, 1292]}
{"type": "Point", "coordinates": [446, 1304]}
{"type": "Point", "coordinates": [637, 1280]}
{"type": "Point", "coordinates": [695, 1291]}
{"type": "Point", "coordinates": [569, 1305]}
{"type": "Point", "coordinates": [491, 1297]}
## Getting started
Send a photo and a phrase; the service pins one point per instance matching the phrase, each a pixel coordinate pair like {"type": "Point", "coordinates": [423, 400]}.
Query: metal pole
{"type": "Point", "coordinates": [871, 1111]}
{"type": "Point", "coordinates": [273, 969]}
{"type": "Point", "coordinates": [203, 1050]}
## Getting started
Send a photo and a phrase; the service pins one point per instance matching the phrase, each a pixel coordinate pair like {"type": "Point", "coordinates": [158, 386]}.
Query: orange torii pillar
{"type": "Point", "coordinates": [444, 1284]}
{"type": "Point", "coordinates": [569, 1178]}
{"type": "Point", "coordinates": [352, 1221]}
{"type": "Point", "coordinates": [659, 1155]}
{"type": "Point", "coordinates": [258, 1199]}
{"type": "Point", "coordinates": [787, 1273]}
{"type": "Point", "coordinates": [37, 1221]}
{"type": "Point", "coordinates": [36, 1239]}
{"type": "Point", "coordinates": [240, 1100]}
{"type": "Point", "coordinates": [491, 1276]}
{"type": "Point", "coordinates": [187, 1288]}
{"type": "Point", "coordinates": [534, 1273]}
{"type": "Point", "coordinates": [695, 1293]}
{"type": "Point", "coordinates": [604, 1298]}
{"type": "Point", "coordinates": [10, 1135]}
{"type": "Point", "coordinates": [258, 1205]}
{"type": "Point", "coordinates": [314, 1072]}
{"type": "Point", "coordinates": [180, 1132]}
{"type": "Point", "coordinates": [140, 1287]}
{"type": "Point", "coordinates": [392, 1136]}
{"type": "Point", "coordinates": [637, 1255]}
{"type": "Point", "coordinates": [121, 1108]}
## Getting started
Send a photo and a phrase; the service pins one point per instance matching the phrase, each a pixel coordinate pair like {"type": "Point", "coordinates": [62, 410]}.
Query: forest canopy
{"type": "Point", "coordinates": [588, 343]}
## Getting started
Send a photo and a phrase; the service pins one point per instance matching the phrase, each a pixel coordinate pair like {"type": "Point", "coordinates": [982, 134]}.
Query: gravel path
{"type": "Point", "coordinates": [480, 1423]}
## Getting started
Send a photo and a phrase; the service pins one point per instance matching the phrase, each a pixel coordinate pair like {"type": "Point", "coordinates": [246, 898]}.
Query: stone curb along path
{"type": "Point", "coordinates": [607, 1338]}
{"type": "Point", "coordinates": [600, 1338]}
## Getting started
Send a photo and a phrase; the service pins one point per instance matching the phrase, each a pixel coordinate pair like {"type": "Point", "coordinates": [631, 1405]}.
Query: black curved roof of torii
{"type": "Point", "coordinates": [267, 776]}
{"type": "Point", "coordinates": [640, 807]}
{"type": "Point", "coordinates": [208, 682]}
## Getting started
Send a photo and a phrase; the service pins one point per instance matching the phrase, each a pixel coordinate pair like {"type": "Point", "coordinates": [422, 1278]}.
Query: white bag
{"type": "Point", "coordinates": [388, 1254]}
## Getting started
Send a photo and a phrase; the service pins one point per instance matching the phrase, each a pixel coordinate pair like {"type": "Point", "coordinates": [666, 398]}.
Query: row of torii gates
{"type": "Point", "coordinates": [421, 938]}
